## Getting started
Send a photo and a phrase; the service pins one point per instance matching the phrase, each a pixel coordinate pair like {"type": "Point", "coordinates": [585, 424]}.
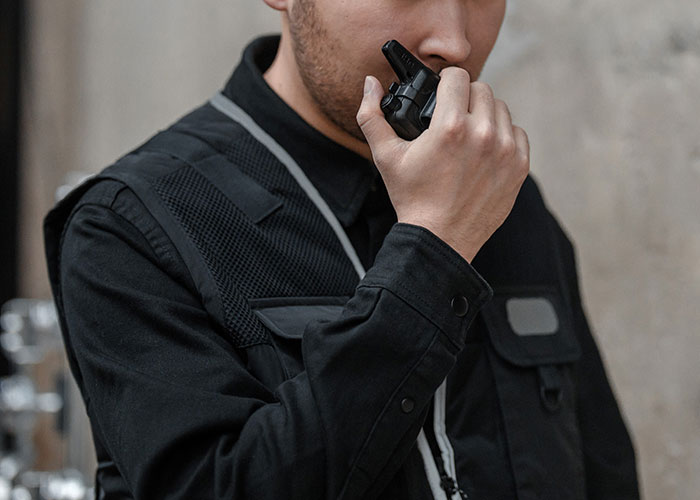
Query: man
{"type": "Point", "coordinates": [279, 298]}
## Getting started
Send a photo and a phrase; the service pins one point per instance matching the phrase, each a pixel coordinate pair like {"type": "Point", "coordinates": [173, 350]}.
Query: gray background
{"type": "Point", "coordinates": [609, 93]}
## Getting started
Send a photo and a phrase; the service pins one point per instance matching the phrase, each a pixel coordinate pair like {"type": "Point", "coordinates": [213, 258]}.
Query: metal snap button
{"type": "Point", "coordinates": [460, 305]}
{"type": "Point", "coordinates": [407, 405]}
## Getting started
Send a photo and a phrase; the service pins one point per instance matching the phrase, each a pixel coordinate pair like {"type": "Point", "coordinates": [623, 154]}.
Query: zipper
{"type": "Point", "coordinates": [442, 449]}
{"type": "Point", "coordinates": [442, 485]}
{"type": "Point", "coordinates": [449, 484]}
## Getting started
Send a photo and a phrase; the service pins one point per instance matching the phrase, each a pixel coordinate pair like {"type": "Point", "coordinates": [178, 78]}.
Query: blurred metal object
{"type": "Point", "coordinates": [44, 441]}
{"type": "Point", "coordinates": [20, 404]}
{"type": "Point", "coordinates": [66, 486]}
{"type": "Point", "coordinates": [30, 330]}
{"type": "Point", "coordinates": [31, 485]}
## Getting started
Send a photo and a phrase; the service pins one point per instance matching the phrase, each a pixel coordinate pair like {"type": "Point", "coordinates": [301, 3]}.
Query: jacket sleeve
{"type": "Point", "coordinates": [609, 455]}
{"type": "Point", "coordinates": [183, 418]}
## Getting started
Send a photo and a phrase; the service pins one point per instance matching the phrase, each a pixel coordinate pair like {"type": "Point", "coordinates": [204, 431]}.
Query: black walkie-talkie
{"type": "Point", "coordinates": [409, 105]}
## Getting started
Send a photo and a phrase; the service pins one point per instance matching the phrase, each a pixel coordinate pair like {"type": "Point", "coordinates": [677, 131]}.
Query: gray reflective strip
{"type": "Point", "coordinates": [230, 109]}
{"type": "Point", "coordinates": [431, 471]}
{"type": "Point", "coordinates": [532, 316]}
{"type": "Point", "coordinates": [443, 442]}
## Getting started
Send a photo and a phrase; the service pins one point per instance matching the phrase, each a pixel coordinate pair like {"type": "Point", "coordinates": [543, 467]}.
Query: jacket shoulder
{"type": "Point", "coordinates": [200, 134]}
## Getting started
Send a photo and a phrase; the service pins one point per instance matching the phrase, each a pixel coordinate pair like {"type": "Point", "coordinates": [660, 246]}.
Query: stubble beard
{"type": "Point", "coordinates": [320, 63]}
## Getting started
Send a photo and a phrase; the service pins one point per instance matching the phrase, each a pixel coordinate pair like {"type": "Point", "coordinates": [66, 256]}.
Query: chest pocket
{"type": "Point", "coordinates": [531, 326]}
{"type": "Point", "coordinates": [287, 320]}
{"type": "Point", "coordinates": [534, 347]}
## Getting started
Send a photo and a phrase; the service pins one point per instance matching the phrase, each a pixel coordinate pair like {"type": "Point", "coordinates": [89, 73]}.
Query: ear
{"type": "Point", "coordinates": [280, 5]}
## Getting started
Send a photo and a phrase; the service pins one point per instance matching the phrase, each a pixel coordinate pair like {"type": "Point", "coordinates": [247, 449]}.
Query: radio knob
{"type": "Point", "coordinates": [390, 103]}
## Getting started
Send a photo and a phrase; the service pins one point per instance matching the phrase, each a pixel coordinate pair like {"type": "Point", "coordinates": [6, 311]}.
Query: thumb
{"type": "Point", "coordinates": [370, 118]}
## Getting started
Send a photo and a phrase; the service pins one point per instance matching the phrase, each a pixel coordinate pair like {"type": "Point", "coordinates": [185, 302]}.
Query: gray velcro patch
{"type": "Point", "coordinates": [532, 316]}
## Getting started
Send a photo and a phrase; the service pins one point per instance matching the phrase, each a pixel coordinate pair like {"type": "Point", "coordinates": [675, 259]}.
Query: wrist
{"type": "Point", "coordinates": [466, 248]}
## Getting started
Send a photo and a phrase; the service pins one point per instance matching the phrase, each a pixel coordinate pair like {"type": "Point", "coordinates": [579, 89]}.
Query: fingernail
{"type": "Point", "coordinates": [368, 85]}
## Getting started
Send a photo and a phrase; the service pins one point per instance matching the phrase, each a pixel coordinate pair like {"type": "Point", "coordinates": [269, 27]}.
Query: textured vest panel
{"type": "Point", "coordinates": [241, 223]}
{"type": "Point", "coordinates": [291, 253]}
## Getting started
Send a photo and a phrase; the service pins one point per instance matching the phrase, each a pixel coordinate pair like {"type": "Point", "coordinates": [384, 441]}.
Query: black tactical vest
{"type": "Point", "coordinates": [237, 223]}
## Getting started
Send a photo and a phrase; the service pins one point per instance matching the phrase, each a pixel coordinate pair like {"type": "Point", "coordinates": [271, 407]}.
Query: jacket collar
{"type": "Point", "coordinates": [343, 177]}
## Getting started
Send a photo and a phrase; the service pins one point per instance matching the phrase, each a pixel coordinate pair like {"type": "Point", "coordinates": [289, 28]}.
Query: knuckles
{"type": "Point", "coordinates": [500, 104]}
{"type": "Point", "coordinates": [485, 135]}
{"type": "Point", "coordinates": [455, 73]}
{"type": "Point", "coordinates": [507, 147]}
{"type": "Point", "coordinates": [482, 89]}
{"type": "Point", "coordinates": [455, 128]}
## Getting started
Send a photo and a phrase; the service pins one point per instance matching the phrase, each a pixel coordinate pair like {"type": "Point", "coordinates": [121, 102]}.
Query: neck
{"type": "Point", "coordinates": [283, 77]}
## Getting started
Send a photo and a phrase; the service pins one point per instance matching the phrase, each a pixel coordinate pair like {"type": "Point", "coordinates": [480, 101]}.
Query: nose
{"type": "Point", "coordinates": [446, 41]}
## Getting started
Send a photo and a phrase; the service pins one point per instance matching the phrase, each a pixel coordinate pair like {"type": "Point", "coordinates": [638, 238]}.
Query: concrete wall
{"type": "Point", "coordinates": [609, 93]}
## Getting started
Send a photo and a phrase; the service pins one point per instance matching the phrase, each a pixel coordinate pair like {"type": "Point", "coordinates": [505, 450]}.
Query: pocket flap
{"type": "Point", "coordinates": [531, 326]}
{"type": "Point", "coordinates": [288, 317]}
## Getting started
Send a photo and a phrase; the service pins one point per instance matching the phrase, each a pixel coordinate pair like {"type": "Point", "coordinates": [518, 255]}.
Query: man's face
{"type": "Point", "coordinates": [337, 42]}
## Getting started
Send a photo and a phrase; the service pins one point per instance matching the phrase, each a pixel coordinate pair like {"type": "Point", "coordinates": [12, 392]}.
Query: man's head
{"type": "Point", "coordinates": [335, 43]}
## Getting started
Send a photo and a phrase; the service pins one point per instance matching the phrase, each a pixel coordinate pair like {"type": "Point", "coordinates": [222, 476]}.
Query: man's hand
{"type": "Point", "coordinates": [460, 178]}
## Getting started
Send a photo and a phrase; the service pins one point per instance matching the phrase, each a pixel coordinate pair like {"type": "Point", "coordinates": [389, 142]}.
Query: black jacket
{"type": "Point", "coordinates": [226, 347]}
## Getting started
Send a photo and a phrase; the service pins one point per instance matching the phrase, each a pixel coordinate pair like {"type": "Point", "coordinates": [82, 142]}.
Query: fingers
{"type": "Point", "coordinates": [379, 134]}
{"type": "Point", "coordinates": [513, 141]}
{"type": "Point", "coordinates": [482, 104]}
{"type": "Point", "coordinates": [452, 98]}
{"type": "Point", "coordinates": [523, 144]}
{"type": "Point", "coordinates": [504, 126]}
{"type": "Point", "coordinates": [465, 107]}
